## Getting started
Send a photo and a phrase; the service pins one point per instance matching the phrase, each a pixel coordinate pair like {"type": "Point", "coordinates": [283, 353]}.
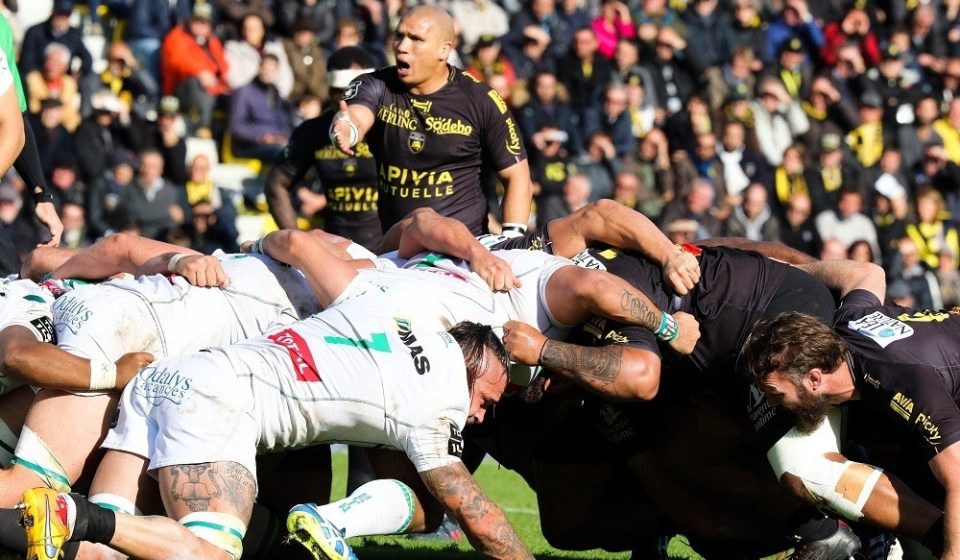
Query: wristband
{"type": "Point", "coordinates": [511, 231]}
{"type": "Point", "coordinates": [257, 246]}
{"type": "Point", "coordinates": [354, 131]}
{"type": "Point", "coordinates": [172, 264]}
{"type": "Point", "coordinates": [542, 348]}
{"type": "Point", "coordinates": [669, 329]}
{"type": "Point", "coordinates": [42, 196]}
{"type": "Point", "coordinates": [689, 248]}
{"type": "Point", "coordinates": [103, 375]}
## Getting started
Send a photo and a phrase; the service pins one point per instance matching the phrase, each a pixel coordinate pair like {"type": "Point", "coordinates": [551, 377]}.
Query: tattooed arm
{"type": "Point", "coordinates": [616, 371]}
{"type": "Point", "coordinates": [483, 521]}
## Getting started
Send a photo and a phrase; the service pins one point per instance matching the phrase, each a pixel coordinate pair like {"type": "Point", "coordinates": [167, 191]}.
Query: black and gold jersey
{"type": "Point", "coordinates": [429, 149]}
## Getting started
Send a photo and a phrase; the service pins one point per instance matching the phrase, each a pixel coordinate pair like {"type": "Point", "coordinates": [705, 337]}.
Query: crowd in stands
{"type": "Point", "coordinates": [829, 125]}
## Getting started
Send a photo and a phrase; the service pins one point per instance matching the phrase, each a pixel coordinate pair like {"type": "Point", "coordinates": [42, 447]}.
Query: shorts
{"type": "Point", "coordinates": [528, 302]}
{"type": "Point", "coordinates": [188, 410]}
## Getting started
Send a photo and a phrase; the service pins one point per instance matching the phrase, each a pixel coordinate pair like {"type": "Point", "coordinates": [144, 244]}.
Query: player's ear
{"type": "Point", "coordinates": [815, 378]}
{"type": "Point", "coordinates": [445, 49]}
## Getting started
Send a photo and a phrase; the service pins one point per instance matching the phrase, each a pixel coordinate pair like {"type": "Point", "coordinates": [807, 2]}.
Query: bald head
{"type": "Point", "coordinates": [437, 19]}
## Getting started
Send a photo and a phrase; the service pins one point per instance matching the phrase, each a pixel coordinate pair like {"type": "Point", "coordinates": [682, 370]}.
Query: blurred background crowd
{"type": "Point", "coordinates": [828, 125]}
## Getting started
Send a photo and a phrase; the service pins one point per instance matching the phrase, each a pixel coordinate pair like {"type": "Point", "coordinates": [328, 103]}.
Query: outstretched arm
{"type": "Point", "coordinates": [518, 192]}
{"type": "Point", "coordinates": [769, 249]}
{"type": "Point", "coordinates": [483, 521]}
{"type": "Point", "coordinates": [115, 254]}
{"type": "Point", "coordinates": [846, 276]}
{"type": "Point", "coordinates": [609, 222]}
{"type": "Point", "coordinates": [946, 467]}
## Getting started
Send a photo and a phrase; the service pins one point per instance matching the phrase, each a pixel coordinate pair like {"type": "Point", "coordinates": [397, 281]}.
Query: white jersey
{"type": "Point", "coordinates": [357, 374]}
{"type": "Point", "coordinates": [167, 316]}
{"type": "Point", "coordinates": [26, 304]}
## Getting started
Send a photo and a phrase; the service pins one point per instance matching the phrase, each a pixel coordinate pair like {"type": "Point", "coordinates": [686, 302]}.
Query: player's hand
{"type": "Point", "coordinates": [340, 129]}
{"type": "Point", "coordinates": [523, 342]}
{"type": "Point", "coordinates": [203, 271]}
{"type": "Point", "coordinates": [129, 365]}
{"type": "Point", "coordinates": [689, 333]}
{"type": "Point", "coordinates": [681, 272]}
{"type": "Point", "coordinates": [47, 214]}
{"type": "Point", "coordinates": [494, 271]}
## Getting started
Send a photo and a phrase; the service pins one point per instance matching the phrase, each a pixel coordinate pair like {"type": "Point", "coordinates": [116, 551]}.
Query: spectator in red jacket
{"type": "Point", "coordinates": [854, 28]}
{"type": "Point", "coordinates": [194, 67]}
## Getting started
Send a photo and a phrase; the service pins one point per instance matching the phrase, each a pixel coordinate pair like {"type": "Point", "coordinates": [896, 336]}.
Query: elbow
{"type": "Point", "coordinates": [12, 350]}
{"type": "Point", "coordinates": [643, 381]}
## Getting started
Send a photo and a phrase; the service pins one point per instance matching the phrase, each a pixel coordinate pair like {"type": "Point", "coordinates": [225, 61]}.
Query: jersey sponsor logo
{"type": "Point", "coordinates": [881, 329]}
{"type": "Point", "coordinates": [586, 260]}
{"type": "Point", "coordinates": [759, 409]}
{"type": "Point", "coordinates": [924, 317]}
{"type": "Point", "coordinates": [303, 363]}
{"type": "Point", "coordinates": [71, 313]}
{"type": "Point", "coordinates": [455, 442]}
{"type": "Point", "coordinates": [395, 116]}
{"type": "Point", "coordinates": [44, 328]}
{"type": "Point", "coordinates": [160, 384]}
{"type": "Point", "coordinates": [420, 362]}
{"type": "Point", "coordinates": [352, 90]}
{"type": "Point", "coordinates": [422, 106]}
{"type": "Point", "coordinates": [352, 199]}
{"type": "Point", "coordinates": [416, 142]}
{"type": "Point", "coordinates": [514, 146]}
{"type": "Point", "coordinates": [410, 183]}
{"type": "Point", "coordinates": [872, 381]}
{"type": "Point", "coordinates": [498, 101]}
{"type": "Point", "coordinates": [932, 431]}
{"type": "Point", "coordinates": [447, 125]}
{"type": "Point", "coordinates": [556, 171]}
{"type": "Point", "coordinates": [902, 405]}
{"type": "Point", "coordinates": [616, 336]}
{"type": "Point", "coordinates": [328, 152]}
{"type": "Point", "coordinates": [615, 427]}
{"type": "Point", "coordinates": [595, 327]}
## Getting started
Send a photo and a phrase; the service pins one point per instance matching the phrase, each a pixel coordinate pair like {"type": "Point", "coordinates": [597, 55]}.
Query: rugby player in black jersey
{"type": "Point", "coordinates": [349, 181]}
{"type": "Point", "coordinates": [432, 128]}
{"type": "Point", "coordinates": [901, 366]}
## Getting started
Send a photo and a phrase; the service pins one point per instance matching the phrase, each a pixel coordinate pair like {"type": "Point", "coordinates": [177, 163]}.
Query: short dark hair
{"type": "Point", "coordinates": [474, 339]}
{"type": "Point", "coordinates": [792, 343]}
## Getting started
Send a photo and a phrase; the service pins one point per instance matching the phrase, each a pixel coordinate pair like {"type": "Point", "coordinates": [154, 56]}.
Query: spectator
{"type": "Point", "coordinates": [208, 233]}
{"type": "Point", "coordinates": [15, 226]}
{"type": "Point", "coordinates": [349, 34]}
{"type": "Point", "coordinates": [584, 72]}
{"type": "Point", "coordinates": [99, 135]}
{"type": "Point", "coordinates": [612, 25]}
{"type": "Point", "coordinates": [793, 69]}
{"type": "Point", "coordinates": [317, 15]}
{"type": "Point", "coordinates": [52, 137]}
{"type": "Point", "coordinates": [833, 249]}
{"type": "Point", "coordinates": [853, 28]}
{"type": "Point", "coordinates": [948, 278]}
{"type": "Point", "coordinates": [779, 120]}
{"type": "Point", "coordinates": [921, 282]}
{"type": "Point", "coordinates": [599, 165]}
{"type": "Point", "coordinates": [550, 168]}
{"type": "Point", "coordinates": [698, 206]}
{"type": "Point", "coordinates": [74, 226]}
{"type": "Point", "coordinates": [948, 129]}
{"type": "Point", "coordinates": [749, 29]}
{"type": "Point", "coordinates": [847, 223]}
{"type": "Point", "coordinates": [737, 74]}
{"type": "Point", "coordinates": [194, 68]}
{"type": "Point", "coordinates": [487, 60]}
{"type": "Point", "coordinates": [927, 39]}
{"type": "Point", "coordinates": [799, 230]}
{"type": "Point", "coordinates": [710, 38]}
{"type": "Point", "coordinates": [709, 166]}
{"type": "Point", "coordinates": [741, 166]}
{"type": "Point", "coordinates": [547, 107]}
{"type": "Point", "coordinates": [150, 202]}
{"type": "Point", "coordinates": [653, 169]}
{"type": "Point", "coordinates": [913, 137]}
{"type": "Point", "coordinates": [231, 13]}
{"type": "Point", "coordinates": [753, 219]}
{"type": "Point", "coordinates": [136, 88]}
{"type": "Point", "coordinates": [104, 211]}
{"type": "Point", "coordinates": [627, 69]}
{"type": "Point", "coordinates": [66, 185]}
{"type": "Point", "coordinates": [574, 13]}
{"type": "Point", "coordinates": [614, 120]}
{"type": "Point", "coordinates": [889, 214]}
{"type": "Point", "coordinates": [306, 62]}
{"type": "Point", "coordinates": [243, 56]}
{"type": "Point", "coordinates": [541, 14]}
{"type": "Point", "coordinates": [894, 87]}
{"type": "Point", "coordinates": [860, 251]}
{"type": "Point", "coordinates": [932, 230]}
{"type": "Point", "coordinates": [576, 192]}
{"type": "Point", "coordinates": [794, 22]}
{"type": "Point", "coordinates": [533, 57]}
{"type": "Point", "coordinates": [675, 82]}
{"type": "Point", "coordinates": [828, 112]}
{"type": "Point", "coordinates": [167, 138]}
{"type": "Point", "coordinates": [53, 81]}
{"type": "Point", "coordinates": [899, 293]}
{"type": "Point", "coordinates": [868, 140]}
{"type": "Point", "coordinates": [200, 188]}
{"type": "Point", "coordinates": [835, 174]}
{"type": "Point", "coordinates": [147, 23]}
{"type": "Point", "coordinates": [56, 29]}
{"type": "Point", "coordinates": [260, 120]}
{"type": "Point", "coordinates": [790, 178]}
{"type": "Point", "coordinates": [478, 18]}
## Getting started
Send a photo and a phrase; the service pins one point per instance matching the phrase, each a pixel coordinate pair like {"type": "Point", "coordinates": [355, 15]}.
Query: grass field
{"type": "Point", "coordinates": [508, 490]}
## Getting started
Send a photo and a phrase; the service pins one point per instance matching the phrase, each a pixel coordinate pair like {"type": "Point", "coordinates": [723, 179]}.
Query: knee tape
{"type": "Point", "coordinates": [222, 530]}
{"type": "Point", "coordinates": [114, 502]}
{"type": "Point", "coordinates": [33, 454]}
{"type": "Point", "coordinates": [8, 444]}
{"type": "Point", "coordinates": [842, 487]}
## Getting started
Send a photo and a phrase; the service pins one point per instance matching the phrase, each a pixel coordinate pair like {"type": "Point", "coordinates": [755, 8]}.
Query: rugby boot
{"type": "Point", "coordinates": [43, 516]}
{"type": "Point", "coordinates": [319, 536]}
{"type": "Point", "coordinates": [841, 545]}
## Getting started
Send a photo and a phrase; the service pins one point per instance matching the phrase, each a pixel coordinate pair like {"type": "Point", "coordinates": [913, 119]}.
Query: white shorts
{"type": "Point", "coordinates": [528, 303]}
{"type": "Point", "coordinates": [188, 410]}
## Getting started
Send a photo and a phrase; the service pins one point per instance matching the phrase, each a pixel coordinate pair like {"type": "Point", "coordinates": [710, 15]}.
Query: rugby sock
{"type": "Point", "coordinates": [88, 521]}
{"type": "Point", "coordinates": [11, 533]}
{"type": "Point", "coordinates": [808, 524]}
{"type": "Point", "coordinates": [934, 537]}
{"type": "Point", "coordinates": [380, 507]}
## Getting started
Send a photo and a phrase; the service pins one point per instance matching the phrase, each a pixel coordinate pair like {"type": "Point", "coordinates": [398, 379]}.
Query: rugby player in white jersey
{"type": "Point", "coordinates": [359, 372]}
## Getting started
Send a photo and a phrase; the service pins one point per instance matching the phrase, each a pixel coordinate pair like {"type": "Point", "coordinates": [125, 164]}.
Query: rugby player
{"type": "Point", "coordinates": [359, 372]}
{"type": "Point", "coordinates": [349, 182]}
{"type": "Point", "coordinates": [899, 365]}
{"type": "Point", "coordinates": [430, 127]}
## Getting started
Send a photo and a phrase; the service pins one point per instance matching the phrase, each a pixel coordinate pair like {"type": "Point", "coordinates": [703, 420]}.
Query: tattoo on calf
{"type": "Point", "coordinates": [199, 485]}
{"type": "Point", "coordinates": [638, 311]}
{"type": "Point", "coordinates": [601, 364]}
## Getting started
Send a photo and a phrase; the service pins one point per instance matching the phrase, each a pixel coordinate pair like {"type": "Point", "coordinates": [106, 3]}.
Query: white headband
{"type": "Point", "coordinates": [340, 79]}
